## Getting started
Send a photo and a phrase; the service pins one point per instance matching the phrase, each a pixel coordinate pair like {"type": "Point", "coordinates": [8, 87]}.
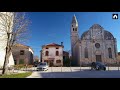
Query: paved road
{"type": "Point", "coordinates": [74, 72]}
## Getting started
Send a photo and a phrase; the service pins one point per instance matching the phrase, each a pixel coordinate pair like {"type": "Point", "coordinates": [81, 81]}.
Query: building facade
{"type": "Point", "coordinates": [23, 54]}
{"type": "Point", "coordinates": [3, 36]}
{"type": "Point", "coordinates": [95, 44]}
{"type": "Point", "coordinates": [52, 54]}
{"type": "Point", "coordinates": [65, 55]}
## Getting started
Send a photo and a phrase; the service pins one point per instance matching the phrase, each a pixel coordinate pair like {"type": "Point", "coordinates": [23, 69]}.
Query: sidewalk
{"type": "Point", "coordinates": [34, 75]}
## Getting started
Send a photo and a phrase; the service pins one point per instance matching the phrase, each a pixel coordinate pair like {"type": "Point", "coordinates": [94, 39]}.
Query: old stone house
{"type": "Point", "coordinates": [22, 54]}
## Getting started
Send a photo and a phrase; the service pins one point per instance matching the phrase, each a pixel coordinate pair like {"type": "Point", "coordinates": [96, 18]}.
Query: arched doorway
{"type": "Point", "coordinates": [98, 56]}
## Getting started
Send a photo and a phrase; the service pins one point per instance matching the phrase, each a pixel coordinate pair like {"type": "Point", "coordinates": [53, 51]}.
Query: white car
{"type": "Point", "coordinates": [42, 66]}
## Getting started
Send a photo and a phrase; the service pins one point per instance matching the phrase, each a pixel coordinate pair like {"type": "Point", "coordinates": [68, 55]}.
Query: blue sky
{"type": "Point", "coordinates": [49, 27]}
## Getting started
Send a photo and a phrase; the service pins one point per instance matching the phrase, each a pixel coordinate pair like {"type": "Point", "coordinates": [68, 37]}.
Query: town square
{"type": "Point", "coordinates": [59, 45]}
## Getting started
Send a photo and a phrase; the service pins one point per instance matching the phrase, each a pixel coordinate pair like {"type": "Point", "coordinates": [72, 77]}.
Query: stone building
{"type": "Point", "coordinates": [95, 44]}
{"type": "Point", "coordinates": [22, 54]}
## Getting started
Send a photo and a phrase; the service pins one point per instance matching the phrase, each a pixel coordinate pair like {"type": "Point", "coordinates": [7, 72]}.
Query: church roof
{"type": "Point", "coordinates": [96, 26]}
{"type": "Point", "coordinates": [107, 34]}
{"type": "Point", "coordinates": [84, 34]}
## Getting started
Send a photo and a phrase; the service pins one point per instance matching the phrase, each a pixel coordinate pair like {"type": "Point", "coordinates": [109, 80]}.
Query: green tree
{"type": "Point", "coordinates": [66, 61]}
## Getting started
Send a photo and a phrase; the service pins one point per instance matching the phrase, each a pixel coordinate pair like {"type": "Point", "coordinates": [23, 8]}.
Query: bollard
{"type": "Point", "coordinates": [70, 69]}
{"type": "Point", "coordinates": [61, 68]}
{"type": "Point", "coordinates": [51, 68]}
{"type": "Point", "coordinates": [80, 67]}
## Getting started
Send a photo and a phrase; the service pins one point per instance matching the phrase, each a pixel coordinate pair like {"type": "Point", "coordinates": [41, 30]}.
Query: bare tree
{"type": "Point", "coordinates": [14, 26]}
{"type": "Point", "coordinates": [36, 58]}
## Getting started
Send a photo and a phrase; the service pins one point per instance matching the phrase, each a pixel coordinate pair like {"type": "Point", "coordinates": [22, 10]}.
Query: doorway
{"type": "Point", "coordinates": [51, 63]}
{"type": "Point", "coordinates": [98, 58]}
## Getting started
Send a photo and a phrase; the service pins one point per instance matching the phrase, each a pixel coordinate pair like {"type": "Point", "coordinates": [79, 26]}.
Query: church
{"type": "Point", "coordinates": [94, 45]}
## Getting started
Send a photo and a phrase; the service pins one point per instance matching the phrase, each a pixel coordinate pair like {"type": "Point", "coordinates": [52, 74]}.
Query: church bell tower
{"type": "Point", "coordinates": [74, 33]}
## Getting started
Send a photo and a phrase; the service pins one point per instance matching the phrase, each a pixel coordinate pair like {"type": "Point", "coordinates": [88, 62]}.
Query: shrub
{"type": "Point", "coordinates": [19, 66]}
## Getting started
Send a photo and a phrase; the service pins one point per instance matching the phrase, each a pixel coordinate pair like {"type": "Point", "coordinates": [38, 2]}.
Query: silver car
{"type": "Point", "coordinates": [42, 66]}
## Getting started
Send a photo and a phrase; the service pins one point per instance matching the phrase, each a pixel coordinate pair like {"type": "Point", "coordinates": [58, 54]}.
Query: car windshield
{"type": "Point", "coordinates": [43, 63]}
{"type": "Point", "coordinates": [100, 63]}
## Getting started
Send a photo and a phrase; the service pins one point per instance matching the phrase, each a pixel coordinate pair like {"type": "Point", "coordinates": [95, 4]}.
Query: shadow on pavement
{"type": "Point", "coordinates": [81, 74]}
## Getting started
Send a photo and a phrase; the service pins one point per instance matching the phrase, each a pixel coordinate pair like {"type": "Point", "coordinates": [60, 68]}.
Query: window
{"type": "Point", "coordinates": [57, 48]}
{"type": "Point", "coordinates": [46, 47]}
{"type": "Point", "coordinates": [72, 25]}
{"type": "Point", "coordinates": [86, 53]}
{"type": "Point", "coordinates": [97, 45]}
{"type": "Point", "coordinates": [43, 63]}
{"type": "Point", "coordinates": [57, 53]}
{"type": "Point", "coordinates": [73, 29]}
{"type": "Point", "coordinates": [22, 52]}
{"type": "Point", "coordinates": [15, 62]}
{"type": "Point", "coordinates": [58, 61]}
{"type": "Point", "coordinates": [46, 53]}
{"type": "Point", "coordinates": [46, 61]}
{"type": "Point", "coordinates": [110, 52]}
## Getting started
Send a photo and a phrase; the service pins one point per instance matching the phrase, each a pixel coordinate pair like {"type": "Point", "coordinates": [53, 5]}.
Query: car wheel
{"type": "Point", "coordinates": [104, 68]}
{"type": "Point", "coordinates": [97, 68]}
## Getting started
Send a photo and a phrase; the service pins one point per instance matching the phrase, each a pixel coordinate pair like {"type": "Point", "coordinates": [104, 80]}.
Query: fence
{"type": "Point", "coordinates": [73, 69]}
{"type": "Point", "coordinates": [59, 69]}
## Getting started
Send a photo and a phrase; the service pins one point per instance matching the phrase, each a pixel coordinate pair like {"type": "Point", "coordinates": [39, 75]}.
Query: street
{"type": "Point", "coordinates": [74, 72]}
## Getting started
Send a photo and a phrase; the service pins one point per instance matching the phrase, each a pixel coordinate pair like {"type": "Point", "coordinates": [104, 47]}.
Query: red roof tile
{"type": "Point", "coordinates": [53, 44]}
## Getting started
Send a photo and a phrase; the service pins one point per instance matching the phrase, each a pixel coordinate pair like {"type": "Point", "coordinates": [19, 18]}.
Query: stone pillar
{"type": "Point", "coordinates": [104, 52]}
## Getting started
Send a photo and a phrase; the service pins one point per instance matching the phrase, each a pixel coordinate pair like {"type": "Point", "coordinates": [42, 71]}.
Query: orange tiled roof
{"type": "Point", "coordinates": [53, 44]}
{"type": "Point", "coordinates": [23, 46]}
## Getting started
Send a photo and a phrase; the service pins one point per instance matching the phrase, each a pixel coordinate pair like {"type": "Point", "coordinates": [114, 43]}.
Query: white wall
{"type": "Point", "coordinates": [52, 54]}
{"type": "Point", "coordinates": [3, 43]}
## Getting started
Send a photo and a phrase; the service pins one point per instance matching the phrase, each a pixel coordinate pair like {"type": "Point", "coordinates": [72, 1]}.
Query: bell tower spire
{"type": "Point", "coordinates": [74, 20]}
{"type": "Point", "coordinates": [74, 30]}
{"type": "Point", "coordinates": [74, 37]}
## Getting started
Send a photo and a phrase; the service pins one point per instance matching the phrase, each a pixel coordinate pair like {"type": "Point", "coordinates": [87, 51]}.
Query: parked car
{"type": "Point", "coordinates": [98, 66]}
{"type": "Point", "coordinates": [42, 66]}
{"type": "Point", "coordinates": [35, 64]}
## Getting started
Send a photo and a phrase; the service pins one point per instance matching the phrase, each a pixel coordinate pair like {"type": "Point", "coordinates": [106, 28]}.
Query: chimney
{"type": "Point", "coordinates": [62, 43]}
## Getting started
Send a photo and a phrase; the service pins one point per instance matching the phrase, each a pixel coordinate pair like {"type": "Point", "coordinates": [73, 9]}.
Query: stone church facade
{"type": "Point", "coordinates": [95, 44]}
